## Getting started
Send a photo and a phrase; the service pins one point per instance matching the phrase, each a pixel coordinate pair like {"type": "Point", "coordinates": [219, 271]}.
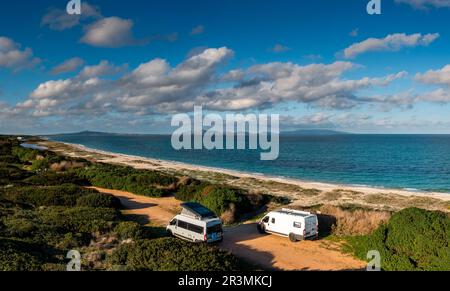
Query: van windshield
{"type": "Point", "coordinates": [214, 229]}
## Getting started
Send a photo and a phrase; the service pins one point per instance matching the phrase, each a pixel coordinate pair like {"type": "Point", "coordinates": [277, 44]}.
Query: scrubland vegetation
{"type": "Point", "coordinates": [413, 240]}
{"type": "Point", "coordinates": [45, 211]}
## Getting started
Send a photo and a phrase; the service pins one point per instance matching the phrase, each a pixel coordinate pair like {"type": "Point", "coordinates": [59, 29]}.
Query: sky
{"type": "Point", "coordinates": [129, 66]}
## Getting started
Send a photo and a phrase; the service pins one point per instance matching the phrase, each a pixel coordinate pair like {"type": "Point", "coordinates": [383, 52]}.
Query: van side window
{"type": "Point", "coordinates": [195, 228]}
{"type": "Point", "coordinates": [266, 219]}
{"type": "Point", "coordinates": [273, 220]}
{"type": "Point", "coordinates": [182, 224]}
{"type": "Point", "coordinates": [297, 224]}
{"type": "Point", "coordinates": [173, 222]}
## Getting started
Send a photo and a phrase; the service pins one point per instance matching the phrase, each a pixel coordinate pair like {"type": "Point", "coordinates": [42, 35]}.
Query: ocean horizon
{"type": "Point", "coordinates": [411, 162]}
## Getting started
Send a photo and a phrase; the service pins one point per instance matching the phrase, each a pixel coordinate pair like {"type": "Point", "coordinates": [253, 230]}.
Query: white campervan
{"type": "Point", "coordinates": [297, 225]}
{"type": "Point", "coordinates": [196, 223]}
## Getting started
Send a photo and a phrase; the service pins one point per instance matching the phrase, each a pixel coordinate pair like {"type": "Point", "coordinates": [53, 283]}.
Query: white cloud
{"type": "Point", "coordinates": [198, 30]}
{"type": "Point", "coordinates": [423, 4]}
{"type": "Point", "coordinates": [15, 58]}
{"type": "Point", "coordinates": [110, 32]}
{"type": "Point", "coordinates": [156, 87]}
{"type": "Point", "coordinates": [58, 19]}
{"type": "Point", "coordinates": [104, 68]}
{"type": "Point", "coordinates": [153, 86]}
{"type": "Point", "coordinates": [441, 96]}
{"type": "Point", "coordinates": [435, 77]}
{"type": "Point", "coordinates": [392, 42]}
{"type": "Point", "coordinates": [68, 66]}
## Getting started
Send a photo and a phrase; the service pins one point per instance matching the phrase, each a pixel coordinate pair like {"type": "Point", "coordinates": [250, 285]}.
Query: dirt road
{"type": "Point", "coordinates": [267, 251]}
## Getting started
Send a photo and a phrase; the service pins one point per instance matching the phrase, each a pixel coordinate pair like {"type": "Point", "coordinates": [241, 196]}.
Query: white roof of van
{"type": "Point", "coordinates": [294, 212]}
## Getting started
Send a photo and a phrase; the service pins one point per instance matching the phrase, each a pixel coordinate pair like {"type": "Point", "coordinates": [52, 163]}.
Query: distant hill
{"type": "Point", "coordinates": [85, 133]}
{"type": "Point", "coordinates": [306, 132]}
{"type": "Point", "coordinates": [314, 132]}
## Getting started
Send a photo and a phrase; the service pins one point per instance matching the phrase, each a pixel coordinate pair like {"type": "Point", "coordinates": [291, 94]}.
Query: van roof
{"type": "Point", "coordinates": [198, 210]}
{"type": "Point", "coordinates": [293, 212]}
{"type": "Point", "coordinates": [207, 222]}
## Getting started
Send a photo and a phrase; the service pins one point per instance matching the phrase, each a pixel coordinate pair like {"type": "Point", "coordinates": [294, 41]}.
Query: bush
{"type": "Point", "coordinates": [218, 198]}
{"type": "Point", "coordinates": [19, 256]}
{"type": "Point", "coordinates": [64, 195]}
{"type": "Point", "coordinates": [80, 219]}
{"type": "Point", "coordinates": [25, 154]}
{"type": "Point", "coordinates": [11, 173]}
{"type": "Point", "coordinates": [414, 239]}
{"type": "Point", "coordinates": [129, 230]}
{"type": "Point", "coordinates": [55, 179]}
{"type": "Point", "coordinates": [168, 254]}
{"type": "Point", "coordinates": [99, 200]}
{"type": "Point", "coordinates": [141, 182]}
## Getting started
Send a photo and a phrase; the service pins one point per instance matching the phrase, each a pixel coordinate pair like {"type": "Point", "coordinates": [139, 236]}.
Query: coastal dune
{"type": "Point", "coordinates": [301, 193]}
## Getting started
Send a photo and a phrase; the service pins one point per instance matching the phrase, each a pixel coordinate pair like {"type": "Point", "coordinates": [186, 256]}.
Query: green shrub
{"type": "Point", "coordinates": [80, 219]}
{"type": "Point", "coordinates": [10, 173]}
{"type": "Point", "coordinates": [129, 230]}
{"type": "Point", "coordinates": [54, 179]}
{"type": "Point", "coordinates": [168, 254]}
{"type": "Point", "coordinates": [218, 198]}
{"type": "Point", "coordinates": [19, 256]}
{"type": "Point", "coordinates": [141, 182]}
{"type": "Point", "coordinates": [25, 154]}
{"type": "Point", "coordinates": [414, 239]}
{"type": "Point", "coordinates": [99, 200]}
{"type": "Point", "coordinates": [64, 195]}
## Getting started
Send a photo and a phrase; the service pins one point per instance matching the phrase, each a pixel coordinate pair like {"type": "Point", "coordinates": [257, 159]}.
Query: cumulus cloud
{"type": "Point", "coordinates": [157, 87]}
{"type": "Point", "coordinates": [392, 42]}
{"type": "Point", "coordinates": [110, 32]}
{"type": "Point", "coordinates": [424, 4]}
{"type": "Point", "coordinates": [104, 68]}
{"type": "Point", "coordinates": [58, 19]}
{"type": "Point", "coordinates": [318, 85]}
{"type": "Point", "coordinates": [12, 56]}
{"type": "Point", "coordinates": [198, 30]}
{"type": "Point", "coordinates": [68, 66]}
{"type": "Point", "coordinates": [440, 77]}
{"type": "Point", "coordinates": [435, 77]}
{"type": "Point", "coordinates": [152, 87]}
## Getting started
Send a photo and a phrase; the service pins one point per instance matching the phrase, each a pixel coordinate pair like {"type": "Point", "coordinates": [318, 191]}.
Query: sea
{"type": "Point", "coordinates": [410, 162]}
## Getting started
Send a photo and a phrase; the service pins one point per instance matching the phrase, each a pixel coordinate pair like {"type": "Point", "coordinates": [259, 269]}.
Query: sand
{"type": "Point", "coordinates": [266, 251]}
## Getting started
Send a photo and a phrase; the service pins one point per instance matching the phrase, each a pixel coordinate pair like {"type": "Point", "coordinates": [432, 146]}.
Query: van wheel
{"type": "Point", "coordinates": [169, 233]}
{"type": "Point", "coordinates": [261, 229]}
{"type": "Point", "coordinates": [292, 237]}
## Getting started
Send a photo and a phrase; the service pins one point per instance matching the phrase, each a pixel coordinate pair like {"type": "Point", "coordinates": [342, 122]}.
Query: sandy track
{"type": "Point", "coordinates": [267, 251]}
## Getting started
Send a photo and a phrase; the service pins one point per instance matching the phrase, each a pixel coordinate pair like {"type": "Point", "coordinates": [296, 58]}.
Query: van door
{"type": "Point", "coordinates": [310, 226]}
{"type": "Point", "coordinates": [182, 229]}
{"type": "Point", "coordinates": [271, 224]}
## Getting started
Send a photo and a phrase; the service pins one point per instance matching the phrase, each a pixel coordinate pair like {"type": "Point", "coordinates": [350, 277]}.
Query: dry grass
{"type": "Point", "coordinates": [229, 216]}
{"type": "Point", "coordinates": [355, 222]}
{"type": "Point", "coordinates": [66, 165]}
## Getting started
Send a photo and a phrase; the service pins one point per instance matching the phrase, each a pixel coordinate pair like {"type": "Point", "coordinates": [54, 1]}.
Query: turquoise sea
{"type": "Point", "coordinates": [413, 162]}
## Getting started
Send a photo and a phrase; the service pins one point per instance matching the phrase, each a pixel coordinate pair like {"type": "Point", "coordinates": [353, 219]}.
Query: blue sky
{"type": "Point", "coordinates": [127, 66]}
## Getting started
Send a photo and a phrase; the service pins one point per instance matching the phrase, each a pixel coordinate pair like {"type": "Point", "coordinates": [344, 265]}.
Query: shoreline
{"type": "Point", "coordinates": [157, 164]}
